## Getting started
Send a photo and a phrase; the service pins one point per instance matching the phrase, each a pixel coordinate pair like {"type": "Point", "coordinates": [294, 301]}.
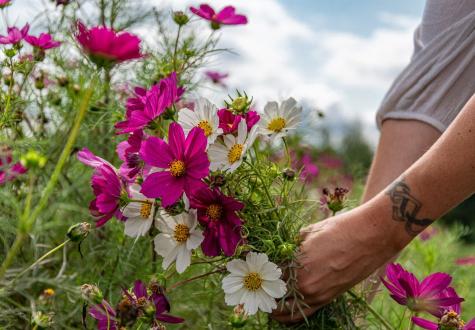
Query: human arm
{"type": "Point", "coordinates": [341, 251]}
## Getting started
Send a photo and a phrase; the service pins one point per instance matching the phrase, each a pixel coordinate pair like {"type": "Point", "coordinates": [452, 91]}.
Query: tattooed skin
{"type": "Point", "coordinates": [406, 207]}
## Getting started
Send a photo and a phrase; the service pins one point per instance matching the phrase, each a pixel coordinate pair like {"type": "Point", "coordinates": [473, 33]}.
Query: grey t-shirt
{"type": "Point", "coordinates": [440, 77]}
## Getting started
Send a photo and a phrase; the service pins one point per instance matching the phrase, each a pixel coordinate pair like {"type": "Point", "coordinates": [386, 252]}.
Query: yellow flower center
{"type": "Point", "coordinates": [141, 301]}
{"type": "Point", "coordinates": [182, 232]}
{"type": "Point", "coordinates": [235, 153]}
{"type": "Point", "coordinates": [276, 124]}
{"type": "Point", "coordinates": [253, 281]}
{"type": "Point", "coordinates": [145, 209]}
{"type": "Point", "coordinates": [177, 168]}
{"type": "Point", "coordinates": [49, 292]}
{"type": "Point", "coordinates": [206, 127]}
{"type": "Point", "coordinates": [214, 211]}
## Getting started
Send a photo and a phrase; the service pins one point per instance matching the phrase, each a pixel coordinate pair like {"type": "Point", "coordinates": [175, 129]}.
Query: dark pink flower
{"type": "Point", "coordinates": [105, 316]}
{"type": "Point", "coordinates": [107, 47]}
{"type": "Point", "coordinates": [15, 35]}
{"type": "Point", "coordinates": [330, 161]}
{"type": "Point", "coordinates": [431, 295]}
{"type": "Point", "coordinates": [227, 16]}
{"type": "Point", "coordinates": [216, 77]}
{"type": "Point", "coordinates": [9, 170]}
{"type": "Point", "coordinates": [141, 299]}
{"type": "Point", "coordinates": [108, 187]}
{"type": "Point", "coordinates": [44, 41]}
{"type": "Point", "coordinates": [448, 318]}
{"type": "Point", "coordinates": [5, 3]}
{"type": "Point", "coordinates": [229, 122]}
{"type": "Point", "coordinates": [128, 152]}
{"type": "Point", "coordinates": [466, 261]}
{"type": "Point", "coordinates": [217, 213]}
{"type": "Point", "coordinates": [309, 169]}
{"type": "Point", "coordinates": [184, 163]}
{"type": "Point", "coordinates": [146, 106]}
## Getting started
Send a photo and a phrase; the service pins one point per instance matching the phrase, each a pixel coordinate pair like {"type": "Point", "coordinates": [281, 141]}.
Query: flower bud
{"type": "Point", "coordinates": [91, 293]}
{"type": "Point", "coordinates": [41, 320]}
{"type": "Point", "coordinates": [215, 25]}
{"type": "Point", "coordinates": [33, 159]}
{"type": "Point", "coordinates": [286, 250]}
{"type": "Point", "coordinates": [288, 174]}
{"type": "Point", "coordinates": [79, 231]}
{"type": "Point", "coordinates": [48, 293]}
{"type": "Point", "coordinates": [238, 318]}
{"type": "Point", "coordinates": [63, 80]}
{"type": "Point", "coordinates": [218, 180]}
{"type": "Point", "coordinates": [239, 104]}
{"type": "Point", "coordinates": [180, 18]}
{"type": "Point", "coordinates": [335, 201]}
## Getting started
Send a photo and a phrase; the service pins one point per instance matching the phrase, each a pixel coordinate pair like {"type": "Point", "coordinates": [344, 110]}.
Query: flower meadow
{"type": "Point", "coordinates": [131, 201]}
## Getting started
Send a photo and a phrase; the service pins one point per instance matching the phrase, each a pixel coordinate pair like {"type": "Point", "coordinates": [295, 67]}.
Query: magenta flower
{"type": "Point", "coordinates": [217, 213]}
{"type": "Point", "coordinates": [15, 35]}
{"type": "Point", "coordinates": [128, 152]}
{"type": "Point", "coordinates": [431, 295]}
{"type": "Point", "coordinates": [108, 187]}
{"type": "Point", "coordinates": [9, 171]}
{"type": "Point", "coordinates": [466, 261]}
{"type": "Point", "coordinates": [5, 3]}
{"type": "Point", "coordinates": [229, 122]}
{"type": "Point", "coordinates": [106, 47]}
{"type": "Point", "coordinates": [184, 163]}
{"type": "Point", "coordinates": [448, 318]}
{"type": "Point", "coordinates": [309, 169]}
{"type": "Point", "coordinates": [141, 299]}
{"type": "Point", "coordinates": [227, 16]}
{"type": "Point", "coordinates": [105, 316]}
{"type": "Point", "coordinates": [44, 41]}
{"type": "Point", "coordinates": [216, 77]}
{"type": "Point", "coordinates": [146, 106]}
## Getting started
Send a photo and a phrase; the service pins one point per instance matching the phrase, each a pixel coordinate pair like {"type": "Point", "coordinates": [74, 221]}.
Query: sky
{"type": "Point", "coordinates": [339, 56]}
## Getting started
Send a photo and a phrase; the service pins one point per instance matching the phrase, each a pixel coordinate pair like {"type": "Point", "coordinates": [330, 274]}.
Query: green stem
{"type": "Point", "coordinates": [191, 279]}
{"type": "Point", "coordinates": [44, 256]}
{"type": "Point", "coordinates": [287, 153]}
{"type": "Point", "coordinates": [27, 222]}
{"type": "Point", "coordinates": [372, 310]}
{"type": "Point", "coordinates": [176, 48]}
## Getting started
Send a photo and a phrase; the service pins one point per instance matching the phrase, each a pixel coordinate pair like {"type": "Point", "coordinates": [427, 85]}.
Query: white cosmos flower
{"type": "Point", "coordinates": [277, 120]}
{"type": "Point", "coordinates": [179, 236]}
{"type": "Point", "coordinates": [255, 283]}
{"type": "Point", "coordinates": [139, 214]}
{"type": "Point", "coordinates": [228, 156]}
{"type": "Point", "coordinates": [205, 116]}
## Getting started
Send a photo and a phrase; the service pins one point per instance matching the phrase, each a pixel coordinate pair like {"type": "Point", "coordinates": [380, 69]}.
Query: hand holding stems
{"type": "Point", "coordinates": [343, 250]}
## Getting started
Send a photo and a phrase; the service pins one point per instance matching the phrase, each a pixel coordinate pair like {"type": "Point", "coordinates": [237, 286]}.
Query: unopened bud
{"type": "Point", "coordinates": [42, 321]}
{"type": "Point", "coordinates": [33, 159]}
{"type": "Point", "coordinates": [239, 104]}
{"type": "Point", "coordinates": [286, 250]}
{"type": "Point", "coordinates": [238, 318]}
{"type": "Point", "coordinates": [79, 231]}
{"type": "Point", "coordinates": [180, 18]}
{"type": "Point", "coordinates": [288, 174]}
{"type": "Point", "coordinates": [215, 25]}
{"type": "Point", "coordinates": [10, 52]}
{"type": "Point", "coordinates": [92, 293]}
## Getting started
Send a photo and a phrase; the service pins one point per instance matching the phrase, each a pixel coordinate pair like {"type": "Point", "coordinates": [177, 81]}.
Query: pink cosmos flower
{"type": "Point", "coordinates": [183, 163]}
{"type": "Point", "coordinates": [430, 295]}
{"type": "Point", "coordinates": [466, 261]}
{"type": "Point", "coordinates": [146, 106]}
{"type": "Point", "coordinates": [9, 171]}
{"type": "Point", "coordinates": [217, 213]}
{"type": "Point", "coordinates": [15, 35]}
{"type": "Point", "coordinates": [448, 318]}
{"type": "Point", "coordinates": [229, 122]}
{"type": "Point", "coordinates": [309, 169]}
{"type": "Point", "coordinates": [109, 188]}
{"type": "Point", "coordinates": [5, 3]}
{"type": "Point", "coordinates": [227, 16]}
{"type": "Point", "coordinates": [216, 77]}
{"type": "Point", "coordinates": [105, 316]}
{"type": "Point", "coordinates": [106, 47]}
{"type": "Point", "coordinates": [141, 298]}
{"type": "Point", "coordinates": [128, 152]}
{"type": "Point", "coordinates": [44, 41]}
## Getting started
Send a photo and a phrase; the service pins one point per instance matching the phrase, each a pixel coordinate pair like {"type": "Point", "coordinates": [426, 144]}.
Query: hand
{"type": "Point", "coordinates": [341, 251]}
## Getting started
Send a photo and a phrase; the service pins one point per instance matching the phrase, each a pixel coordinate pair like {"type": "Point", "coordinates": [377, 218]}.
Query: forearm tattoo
{"type": "Point", "coordinates": [406, 207]}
